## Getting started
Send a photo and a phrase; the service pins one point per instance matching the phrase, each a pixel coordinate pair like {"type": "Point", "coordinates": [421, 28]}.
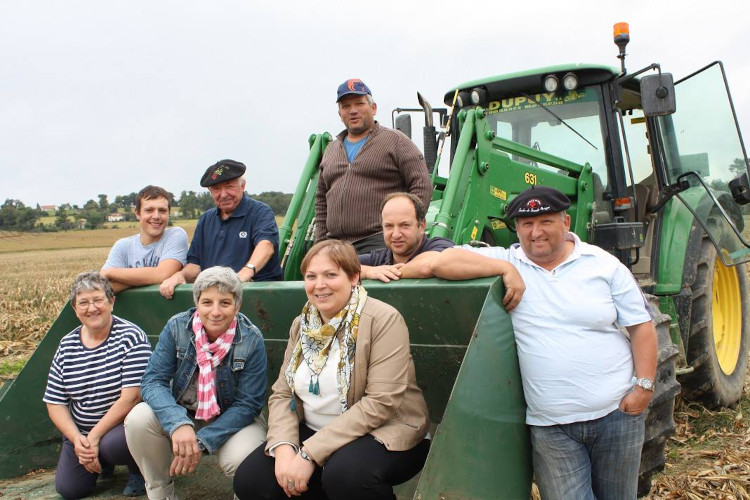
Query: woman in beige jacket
{"type": "Point", "coordinates": [346, 417]}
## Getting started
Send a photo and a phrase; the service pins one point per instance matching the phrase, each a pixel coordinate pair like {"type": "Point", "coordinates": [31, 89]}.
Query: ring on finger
{"type": "Point", "coordinates": [290, 485]}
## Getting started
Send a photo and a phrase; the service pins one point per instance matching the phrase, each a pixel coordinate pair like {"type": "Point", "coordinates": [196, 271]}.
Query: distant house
{"type": "Point", "coordinates": [115, 217]}
{"type": "Point", "coordinates": [81, 223]}
{"type": "Point", "coordinates": [50, 209]}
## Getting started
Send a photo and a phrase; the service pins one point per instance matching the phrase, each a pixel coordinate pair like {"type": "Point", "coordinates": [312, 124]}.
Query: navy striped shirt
{"type": "Point", "coordinates": [89, 381]}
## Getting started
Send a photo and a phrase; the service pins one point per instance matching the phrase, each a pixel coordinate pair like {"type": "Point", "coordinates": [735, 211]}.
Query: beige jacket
{"type": "Point", "coordinates": [384, 399]}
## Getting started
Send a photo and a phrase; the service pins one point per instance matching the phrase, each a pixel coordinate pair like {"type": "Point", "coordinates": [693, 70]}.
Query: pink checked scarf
{"type": "Point", "coordinates": [209, 356]}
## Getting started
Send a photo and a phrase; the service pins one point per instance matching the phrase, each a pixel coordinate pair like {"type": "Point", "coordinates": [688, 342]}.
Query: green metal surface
{"type": "Point", "coordinates": [481, 449]}
{"type": "Point", "coordinates": [301, 209]}
{"type": "Point", "coordinates": [677, 222]}
{"type": "Point", "coordinates": [443, 318]}
{"type": "Point", "coordinates": [484, 179]}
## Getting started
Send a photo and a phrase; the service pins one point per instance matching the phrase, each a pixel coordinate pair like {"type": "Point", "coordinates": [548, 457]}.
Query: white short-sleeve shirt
{"type": "Point", "coordinates": [131, 253]}
{"type": "Point", "coordinates": [576, 364]}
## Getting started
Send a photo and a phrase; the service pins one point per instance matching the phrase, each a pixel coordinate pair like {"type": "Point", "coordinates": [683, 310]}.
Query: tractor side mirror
{"type": "Point", "coordinates": [403, 124]}
{"type": "Point", "coordinates": [740, 188]}
{"type": "Point", "coordinates": [657, 95]}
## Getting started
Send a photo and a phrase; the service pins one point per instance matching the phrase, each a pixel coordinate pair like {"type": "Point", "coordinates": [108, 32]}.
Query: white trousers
{"type": "Point", "coordinates": [151, 448]}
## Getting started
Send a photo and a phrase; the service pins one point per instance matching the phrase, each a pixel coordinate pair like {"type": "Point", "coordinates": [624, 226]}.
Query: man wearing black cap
{"type": "Point", "coordinates": [240, 232]}
{"type": "Point", "coordinates": [358, 170]}
{"type": "Point", "coordinates": [586, 384]}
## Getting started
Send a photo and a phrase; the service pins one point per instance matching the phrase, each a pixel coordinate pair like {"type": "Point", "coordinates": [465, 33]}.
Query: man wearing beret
{"type": "Point", "coordinates": [358, 170]}
{"type": "Point", "coordinates": [239, 232]}
{"type": "Point", "coordinates": [585, 382]}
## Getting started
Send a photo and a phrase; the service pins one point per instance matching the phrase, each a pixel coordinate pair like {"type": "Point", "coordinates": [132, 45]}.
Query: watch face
{"type": "Point", "coordinates": [646, 384]}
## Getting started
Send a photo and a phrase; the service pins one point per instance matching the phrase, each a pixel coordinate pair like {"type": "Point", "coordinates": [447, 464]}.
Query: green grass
{"type": "Point", "coordinates": [11, 368]}
{"type": "Point", "coordinates": [723, 420]}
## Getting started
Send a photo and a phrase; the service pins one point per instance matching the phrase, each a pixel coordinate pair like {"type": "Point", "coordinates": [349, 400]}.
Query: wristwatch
{"type": "Point", "coordinates": [645, 383]}
{"type": "Point", "coordinates": [304, 455]}
{"type": "Point", "coordinates": [252, 266]}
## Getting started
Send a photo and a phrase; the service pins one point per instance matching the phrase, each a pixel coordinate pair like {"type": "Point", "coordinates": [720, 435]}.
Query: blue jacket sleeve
{"type": "Point", "coordinates": [156, 382]}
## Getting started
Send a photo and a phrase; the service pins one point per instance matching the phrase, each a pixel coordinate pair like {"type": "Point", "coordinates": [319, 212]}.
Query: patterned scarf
{"type": "Point", "coordinates": [209, 356]}
{"type": "Point", "coordinates": [315, 341]}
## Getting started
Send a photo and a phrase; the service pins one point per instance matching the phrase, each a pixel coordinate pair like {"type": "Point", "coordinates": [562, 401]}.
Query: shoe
{"type": "Point", "coordinates": [136, 486]}
{"type": "Point", "coordinates": [107, 470]}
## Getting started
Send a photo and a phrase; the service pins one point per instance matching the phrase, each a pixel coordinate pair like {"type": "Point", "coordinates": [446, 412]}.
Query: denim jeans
{"type": "Point", "coordinates": [592, 460]}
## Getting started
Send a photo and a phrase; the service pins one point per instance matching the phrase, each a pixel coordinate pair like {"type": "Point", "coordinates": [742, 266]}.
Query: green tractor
{"type": "Point", "coordinates": [657, 174]}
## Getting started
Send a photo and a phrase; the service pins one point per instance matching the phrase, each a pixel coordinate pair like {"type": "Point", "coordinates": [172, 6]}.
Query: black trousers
{"type": "Point", "coordinates": [362, 469]}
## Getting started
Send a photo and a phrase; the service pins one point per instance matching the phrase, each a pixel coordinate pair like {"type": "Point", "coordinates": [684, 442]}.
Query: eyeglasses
{"type": "Point", "coordinates": [84, 304]}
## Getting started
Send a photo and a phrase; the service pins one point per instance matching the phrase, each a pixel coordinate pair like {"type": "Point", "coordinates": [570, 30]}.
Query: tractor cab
{"type": "Point", "coordinates": [639, 147]}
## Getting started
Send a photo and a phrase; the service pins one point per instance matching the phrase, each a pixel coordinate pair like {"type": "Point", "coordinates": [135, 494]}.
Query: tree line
{"type": "Point", "coordinates": [15, 216]}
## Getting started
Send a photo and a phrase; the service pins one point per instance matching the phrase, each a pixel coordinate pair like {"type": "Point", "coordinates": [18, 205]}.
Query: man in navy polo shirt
{"type": "Point", "coordinates": [240, 232]}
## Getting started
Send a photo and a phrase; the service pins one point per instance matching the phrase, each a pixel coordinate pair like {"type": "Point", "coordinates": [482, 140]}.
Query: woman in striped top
{"type": "Point", "coordinates": [93, 383]}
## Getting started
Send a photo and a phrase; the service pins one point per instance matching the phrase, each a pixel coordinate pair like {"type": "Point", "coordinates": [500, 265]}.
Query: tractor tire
{"type": "Point", "coordinates": [659, 414]}
{"type": "Point", "coordinates": [719, 339]}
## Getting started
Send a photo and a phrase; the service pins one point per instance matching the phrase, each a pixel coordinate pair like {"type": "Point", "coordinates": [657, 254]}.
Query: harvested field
{"type": "Point", "coordinates": [34, 288]}
{"type": "Point", "coordinates": [105, 238]}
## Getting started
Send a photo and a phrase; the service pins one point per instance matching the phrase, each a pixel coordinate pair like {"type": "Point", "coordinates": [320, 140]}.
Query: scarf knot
{"type": "Point", "coordinates": [314, 344]}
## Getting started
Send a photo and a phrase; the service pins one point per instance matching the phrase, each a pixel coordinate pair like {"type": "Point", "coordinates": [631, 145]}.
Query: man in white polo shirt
{"type": "Point", "coordinates": [585, 382]}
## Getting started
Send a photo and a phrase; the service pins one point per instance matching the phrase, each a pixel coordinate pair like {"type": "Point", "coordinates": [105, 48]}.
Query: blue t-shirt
{"type": "Point", "coordinates": [384, 257]}
{"type": "Point", "coordinates": [230, 242]}
{"type": "Point", "coordinates": [129, 252]}
{"type": "Point", "coordinates": [352, 148]}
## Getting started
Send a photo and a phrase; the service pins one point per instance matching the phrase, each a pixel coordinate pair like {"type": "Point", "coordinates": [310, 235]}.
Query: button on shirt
{"type": "Point", "coordinates": [576, 364]}
{"type": "Point", "coordinates": [230, 242]}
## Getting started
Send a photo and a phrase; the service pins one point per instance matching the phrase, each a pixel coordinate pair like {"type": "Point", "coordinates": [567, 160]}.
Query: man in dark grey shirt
{"type": "Point", "coordinates": [403, 222]}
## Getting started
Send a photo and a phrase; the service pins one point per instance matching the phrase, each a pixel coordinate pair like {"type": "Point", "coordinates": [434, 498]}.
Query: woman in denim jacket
{"type": "Point", "coordinates": [203, 390]}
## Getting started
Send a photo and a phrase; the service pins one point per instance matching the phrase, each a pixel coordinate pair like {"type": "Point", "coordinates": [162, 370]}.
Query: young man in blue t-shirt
{"type": "Point", "coordinates": [152, 255]}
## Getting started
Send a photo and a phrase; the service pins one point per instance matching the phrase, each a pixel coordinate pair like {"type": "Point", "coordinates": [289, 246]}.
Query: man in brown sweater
{"type": "Point", "coordinates": [358, 170]}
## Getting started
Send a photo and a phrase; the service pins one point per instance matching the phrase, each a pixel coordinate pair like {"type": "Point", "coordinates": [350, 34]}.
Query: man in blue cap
{"type": "Point", "coordinates": [586, 384]}
{"type": "Point", "coordinates": [358, 170]}
{"type": "Point", "coordinates": [239, 232]}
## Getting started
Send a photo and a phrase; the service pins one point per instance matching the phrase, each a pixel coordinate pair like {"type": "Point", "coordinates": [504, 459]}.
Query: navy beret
{"type": "Point", "coordinates": [537, 200]}
{"type": "Point", "coordinates": [225, 170]}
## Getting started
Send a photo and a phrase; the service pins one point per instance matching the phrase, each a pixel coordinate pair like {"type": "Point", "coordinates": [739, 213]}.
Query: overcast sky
{"type": "Point", "coordinates": [107, 96]}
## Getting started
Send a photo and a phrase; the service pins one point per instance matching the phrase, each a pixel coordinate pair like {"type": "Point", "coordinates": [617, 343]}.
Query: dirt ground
{"type": "Point", "coordinates": [709, 455]}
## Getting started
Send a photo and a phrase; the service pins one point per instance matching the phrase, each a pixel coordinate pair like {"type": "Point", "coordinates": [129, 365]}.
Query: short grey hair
{"type": "Point", "coordinates": [223, 278]}
{"type": "Point", "coordinates": [369, 98]}
{"type": "Point", "coordinates": [89, 281]}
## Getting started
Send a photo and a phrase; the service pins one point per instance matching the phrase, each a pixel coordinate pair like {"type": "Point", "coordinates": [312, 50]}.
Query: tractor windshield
{"type": "Point", "coordinates": [568, 125]}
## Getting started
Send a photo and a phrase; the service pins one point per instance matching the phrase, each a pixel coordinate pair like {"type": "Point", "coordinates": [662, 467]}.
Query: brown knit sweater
{"type": "Point", "coordinates": [347, 205]}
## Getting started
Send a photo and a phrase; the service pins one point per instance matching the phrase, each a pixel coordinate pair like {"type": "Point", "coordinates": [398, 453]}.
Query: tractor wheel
{"type": "Point", "coordinates": [659, 421]}
{"type": "Point", "coordinates": [719, 338]}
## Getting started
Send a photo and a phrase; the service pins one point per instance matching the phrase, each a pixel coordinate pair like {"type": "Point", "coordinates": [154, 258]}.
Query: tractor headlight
{"type": "Point", "coordinates": [570, 81]}
{"type": "Point", "coordinates": [551, 83]}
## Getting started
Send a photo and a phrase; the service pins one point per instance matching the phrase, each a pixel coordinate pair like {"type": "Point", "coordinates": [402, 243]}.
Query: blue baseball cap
{"type": "Point", "coordinates": [352, 86]}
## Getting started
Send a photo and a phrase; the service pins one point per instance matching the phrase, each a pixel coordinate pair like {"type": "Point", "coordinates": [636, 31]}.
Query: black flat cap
{"type": "Point", "coordinates": [537, 200]}
{"type": "Point", "coordinates": [224, 170]}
